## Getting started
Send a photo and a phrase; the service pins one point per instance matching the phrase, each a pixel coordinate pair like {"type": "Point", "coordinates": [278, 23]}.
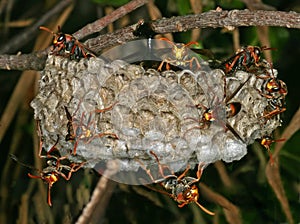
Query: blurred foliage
{"type": "Point", "coordinates": [115, 3]}
{"type": "Point", "coordinates": [183, 7]}
{"type": "Point", "coordinates": [24, 199]}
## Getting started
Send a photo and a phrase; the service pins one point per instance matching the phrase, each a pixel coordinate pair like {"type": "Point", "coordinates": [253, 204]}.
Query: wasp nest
{"type": "Point", "coordinates": [143, 110]}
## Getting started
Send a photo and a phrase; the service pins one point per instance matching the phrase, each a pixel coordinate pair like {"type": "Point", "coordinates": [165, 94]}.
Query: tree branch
{"type": "Point", "coordinates": [34, 61]}
{"type": "Point", "coordinates": [214, 19]}
{"type": "Point", "coordinates": [99, 24]}
{"type": "Point", "coordinates": [235, 18]}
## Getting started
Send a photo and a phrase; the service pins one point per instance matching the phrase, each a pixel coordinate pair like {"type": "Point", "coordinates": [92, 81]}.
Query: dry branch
{"type": "Point", "coordinates": [99, 24]}
{"type": "Point", "coordinates": [34, 61]}
{"type": "Point", "coordinates": [99, 194]}
{"type": "Point", "coordinates": [273, 172]}
{"type": "Point", "coordinates": [214, 19]}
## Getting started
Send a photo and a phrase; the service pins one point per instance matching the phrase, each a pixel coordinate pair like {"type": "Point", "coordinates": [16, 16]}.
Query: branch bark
{"type": "Point", "coordinates": [33, 61]}
{"type": "Point", "coordinates": [213, 19]}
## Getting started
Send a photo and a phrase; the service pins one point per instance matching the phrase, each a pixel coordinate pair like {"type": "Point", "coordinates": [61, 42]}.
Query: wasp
{"type": "Point", "coordinates": [266, 142]}
{"type": "Point", "coordinates": [275, 91]}
{"type": "Point", "coordinates": [50, 174]}
{"type": "Point", "coordinates": [78, 130]}
{"type": "Point", "coordinates": [220, 111]}
{"type": "Point", "coordinates": [212, 114]}
{"type": "Point", "coordinates": [179, 56]}
{"type": "Point", "coordinates": [272, 87]}
{"type": "Point", "coordinates": [244, 58]}
{"type": "Point", "coordinates": [55, 168]}
{"type": "Point", "coordinates": [215, 114]}
{"type": "Point", "coordinates": [68, 46]}
{"type": "Point", "coordinates": [275, 107]}
{"type": "Point", "coordinates": [182, 188]}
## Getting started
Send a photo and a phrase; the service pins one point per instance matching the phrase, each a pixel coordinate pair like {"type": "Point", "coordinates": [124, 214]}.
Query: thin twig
{"type": "Point", "coordinates": [99, 192]}
{"type": "Point", "coordinates": [273, 172]}
{"type": "Point", "coordinates": [289, 131]}
{"type": "Point", "coordinates": [148, 195]}
{"type": "Point", "coordinates": [99, 24]}
{"type": "Point", "coordinates": [231, 211]}
{"type": "Point", "coordinates": [20, 40]}
{"type": "Point", "coordinates": [197, 8]}
{"type": "Point", "coordinates": [274, 179]}
{"type": "Point", "coordinates": [219, 165]}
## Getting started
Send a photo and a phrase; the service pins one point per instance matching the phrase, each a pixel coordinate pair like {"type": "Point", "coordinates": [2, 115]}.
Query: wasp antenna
{"type": "Point", "coordinates": [46, 29]}
{"type": "Point", "coordinates": [166, 39]}
{"type": "Point", "coordinates": [13, 157]}
{"type": "Point", "coordinates": [204, 209]}
{"type": "Point", "coordinates": [192, 43]}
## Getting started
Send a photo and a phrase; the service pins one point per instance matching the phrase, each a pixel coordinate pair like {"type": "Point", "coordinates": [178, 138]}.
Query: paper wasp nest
{"type": "Point", "coordinates": [150, 110]}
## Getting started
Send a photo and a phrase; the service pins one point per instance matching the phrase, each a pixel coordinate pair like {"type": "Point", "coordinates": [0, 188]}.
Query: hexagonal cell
{"type": "Point", "coordinates": [148, 111]}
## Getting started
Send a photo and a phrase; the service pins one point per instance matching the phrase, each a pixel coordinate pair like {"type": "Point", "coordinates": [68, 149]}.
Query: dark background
{"type": "Point", "coordinates": [23, 200]}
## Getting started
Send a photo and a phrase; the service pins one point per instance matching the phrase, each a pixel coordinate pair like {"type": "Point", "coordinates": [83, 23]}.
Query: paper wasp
{"type": "Point", "coordinates": [179, 56]}
{"type": "Point", "coordinates": [55, 170]}
{"type": "Point", "coordinates": [78, 130]}
{"type": "Point", "coordinates": [275, 91]}
{"type": "Point", "coordinates": [275, 107]}
{"type": "Point", "coordinates": [67, 45]}
{"type": "Point", "coordinates": [244, 58]}
{"type": "Point", "coordinates": [212, 114]}
{"type": "Point", "coordinates": [50, 174]}
{"type": "Point", "coordinates": [57, 166]}
{"type": "Point", "coordinates": [219, 111]}
{"type": "Point", "coordinates": [266, 142]}
{"type": "Point", "coordinates": [161, 54]}
{"type": "Point", "coordinates": [272, 86]}
{"type": "Point", "coordinates": [181, 189]}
